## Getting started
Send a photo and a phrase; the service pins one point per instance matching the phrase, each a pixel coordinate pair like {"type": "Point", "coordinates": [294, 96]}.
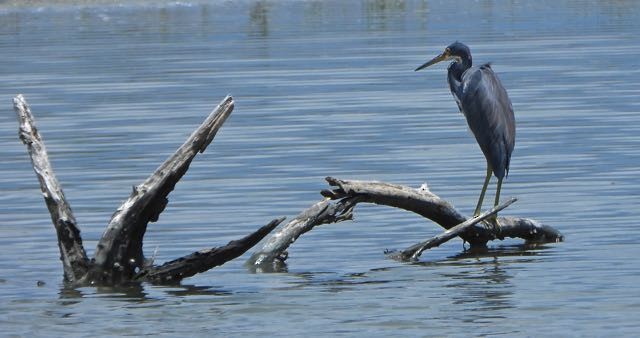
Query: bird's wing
{"type": "Point", "coordinates": [489, 113]}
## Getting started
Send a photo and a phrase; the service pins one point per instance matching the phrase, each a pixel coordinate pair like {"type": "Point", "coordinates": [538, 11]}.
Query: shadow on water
{"type": "Point", "coordinates": [470, 272]}
{"type": "Point", "coordinates": [137, 292]}
{"type": "Point", "coordinates": [259, 19]}
{"type": "Point", "coordinates": [481, 279]}
{"type": "Point", "coordinates": [329, 282]}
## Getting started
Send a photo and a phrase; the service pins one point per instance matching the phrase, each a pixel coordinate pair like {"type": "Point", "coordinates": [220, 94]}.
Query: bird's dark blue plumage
{"type": "Point", "coordinates": [485, 104]}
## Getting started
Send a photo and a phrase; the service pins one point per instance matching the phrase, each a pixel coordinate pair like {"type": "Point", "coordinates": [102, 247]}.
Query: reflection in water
{"type": "Point", "coordinates": [259, 18]}
{"type": "Point", "coordinates": [137, 292]}
{"type": "Point", "coordinates": [196, 290]}
{"type": "Point", "coordinates": [130, 292]}
{"type": "Point", "coordinates": [482, 285]}
{"type": "Point", "coordinates": [480, 279]}
{"type": "Point", "coordinates": [69, 295]}
{"type": "Point", "coordinates": [277, 266]}
{"type": "Point", "coordinates": [481, 274]}
{"type": "Point", "coordinates": [380, 13]}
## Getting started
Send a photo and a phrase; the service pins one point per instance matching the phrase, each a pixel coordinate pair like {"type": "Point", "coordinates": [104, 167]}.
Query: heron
{"type": "Point", "coordinates": [484, 102]}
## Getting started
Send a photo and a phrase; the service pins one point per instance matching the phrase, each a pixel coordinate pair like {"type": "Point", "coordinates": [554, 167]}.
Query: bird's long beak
{"type": "Point", "coordinates": [441, 57]}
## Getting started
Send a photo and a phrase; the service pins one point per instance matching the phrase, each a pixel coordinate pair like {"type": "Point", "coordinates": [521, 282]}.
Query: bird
{"type": "Point", "coordinates": [484, 102]}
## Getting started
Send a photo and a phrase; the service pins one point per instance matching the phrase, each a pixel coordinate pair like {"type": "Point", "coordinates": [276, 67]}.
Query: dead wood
{"type": "Point", "coordinates": [203, 260]}
{"type": "Point", "coordinates": [119, 256]}
{"type": "Point", "coordinates": [429, 205]}
{"type": "Point", "coordinates": [120, 247]}
{"type": "Point", "coordinates": [348, 193]}
{"type": "Point", "coordinates": [273, 254]}
{"type": "Point", "coordinates": [74, 259]}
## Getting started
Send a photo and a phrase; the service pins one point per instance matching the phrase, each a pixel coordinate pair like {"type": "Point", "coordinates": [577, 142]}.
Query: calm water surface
{"type": "Point", "coordinates": [325, 88]}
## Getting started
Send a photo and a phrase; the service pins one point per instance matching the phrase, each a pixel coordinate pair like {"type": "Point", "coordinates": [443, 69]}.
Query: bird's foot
{"type": "Point", "coordinates": [494, 224]}
{"type": "Point", "coordinates": [497, 230]}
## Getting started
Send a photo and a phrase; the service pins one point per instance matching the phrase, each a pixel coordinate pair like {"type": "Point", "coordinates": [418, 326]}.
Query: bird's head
{"type": "Point", "coordinates": [457, 51]}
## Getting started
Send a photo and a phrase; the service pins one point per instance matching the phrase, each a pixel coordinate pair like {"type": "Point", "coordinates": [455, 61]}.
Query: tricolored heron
{"type": "Point", "coordinates": [486, 106]}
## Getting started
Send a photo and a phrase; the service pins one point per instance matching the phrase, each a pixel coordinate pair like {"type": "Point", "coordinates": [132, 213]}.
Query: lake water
{"type": "Point", "coordinates": [325, 88]}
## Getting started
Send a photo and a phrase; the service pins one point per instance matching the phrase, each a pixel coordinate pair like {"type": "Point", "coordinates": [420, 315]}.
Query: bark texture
{"type": "Point", "coordinates": [72, 254]}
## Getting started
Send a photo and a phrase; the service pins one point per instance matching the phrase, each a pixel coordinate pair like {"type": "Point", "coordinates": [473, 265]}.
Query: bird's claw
{"type": "Point", "coordinates": [497, 229]}
{"type": "Point", "coordinates": [494, 224]}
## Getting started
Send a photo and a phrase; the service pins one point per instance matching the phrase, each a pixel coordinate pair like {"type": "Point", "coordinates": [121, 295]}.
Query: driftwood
{"type": "Point", "coordinates": [201, 261]}
{"type": "Point", "coordinates": [119, 256]}
{"type": "Point", "coordinates": [272, 256]}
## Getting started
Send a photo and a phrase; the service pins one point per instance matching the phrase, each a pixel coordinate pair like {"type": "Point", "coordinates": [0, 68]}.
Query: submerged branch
{"type": "Point", "coordinates": [200, 261]}
{"type": "Point", "coordinates": [272, 255]}
{"type": "Point", "coordinates": [72, 254]}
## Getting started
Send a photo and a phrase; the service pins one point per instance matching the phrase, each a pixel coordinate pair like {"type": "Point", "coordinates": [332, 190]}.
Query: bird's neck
{"type": "Point", "coordinates": [458, 67]}
{"type": "Point", "coordinates": [454, 75]}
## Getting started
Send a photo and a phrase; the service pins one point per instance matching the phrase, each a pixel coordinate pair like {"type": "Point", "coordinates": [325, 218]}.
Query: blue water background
{"type": "Point", "coordinates": [325, 88]}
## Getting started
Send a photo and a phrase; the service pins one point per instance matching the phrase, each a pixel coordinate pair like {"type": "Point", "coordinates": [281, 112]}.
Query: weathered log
{"type": "Point", "coordinates": [347, 194]}
{"type": "Point", "coordinates": [72, 254]}
{"type": "Point", "coordinates": [119, 257]}
{"type": "Point", "coordinates": [429, 205]}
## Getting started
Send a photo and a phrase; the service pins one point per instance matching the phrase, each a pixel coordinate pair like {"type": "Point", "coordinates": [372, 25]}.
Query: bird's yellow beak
{"type": "Point", "coordinates": [444, 56]}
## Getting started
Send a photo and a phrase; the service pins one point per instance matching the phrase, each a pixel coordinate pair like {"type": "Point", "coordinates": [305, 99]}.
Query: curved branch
{"type": "Point", "coordinates": [347, 194]}
{"type": "Point", "coordinates": [429, 205]}
{"type": "Point", "coordinates": [420, 201]}
{"type": "Point", "coordinates": [272, 255]}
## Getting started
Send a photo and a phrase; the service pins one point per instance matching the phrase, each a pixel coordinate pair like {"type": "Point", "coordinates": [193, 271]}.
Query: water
{"type": "Point", "coordinates": [325, 88]}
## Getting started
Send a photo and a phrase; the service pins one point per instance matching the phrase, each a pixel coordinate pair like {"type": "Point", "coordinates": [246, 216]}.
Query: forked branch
{"type": "Point", "coordinates": [120, 248]}
{"type": "Point", "coordinates": [119, 257]}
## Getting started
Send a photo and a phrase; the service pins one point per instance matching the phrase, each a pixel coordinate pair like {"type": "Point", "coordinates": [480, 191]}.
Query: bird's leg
{"type": "Point", "coordinates": [494, 219]}
{"type": "Point", "coordinates": [484, 189]}
{"type": "Point", "coordinates": [497, 201]}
